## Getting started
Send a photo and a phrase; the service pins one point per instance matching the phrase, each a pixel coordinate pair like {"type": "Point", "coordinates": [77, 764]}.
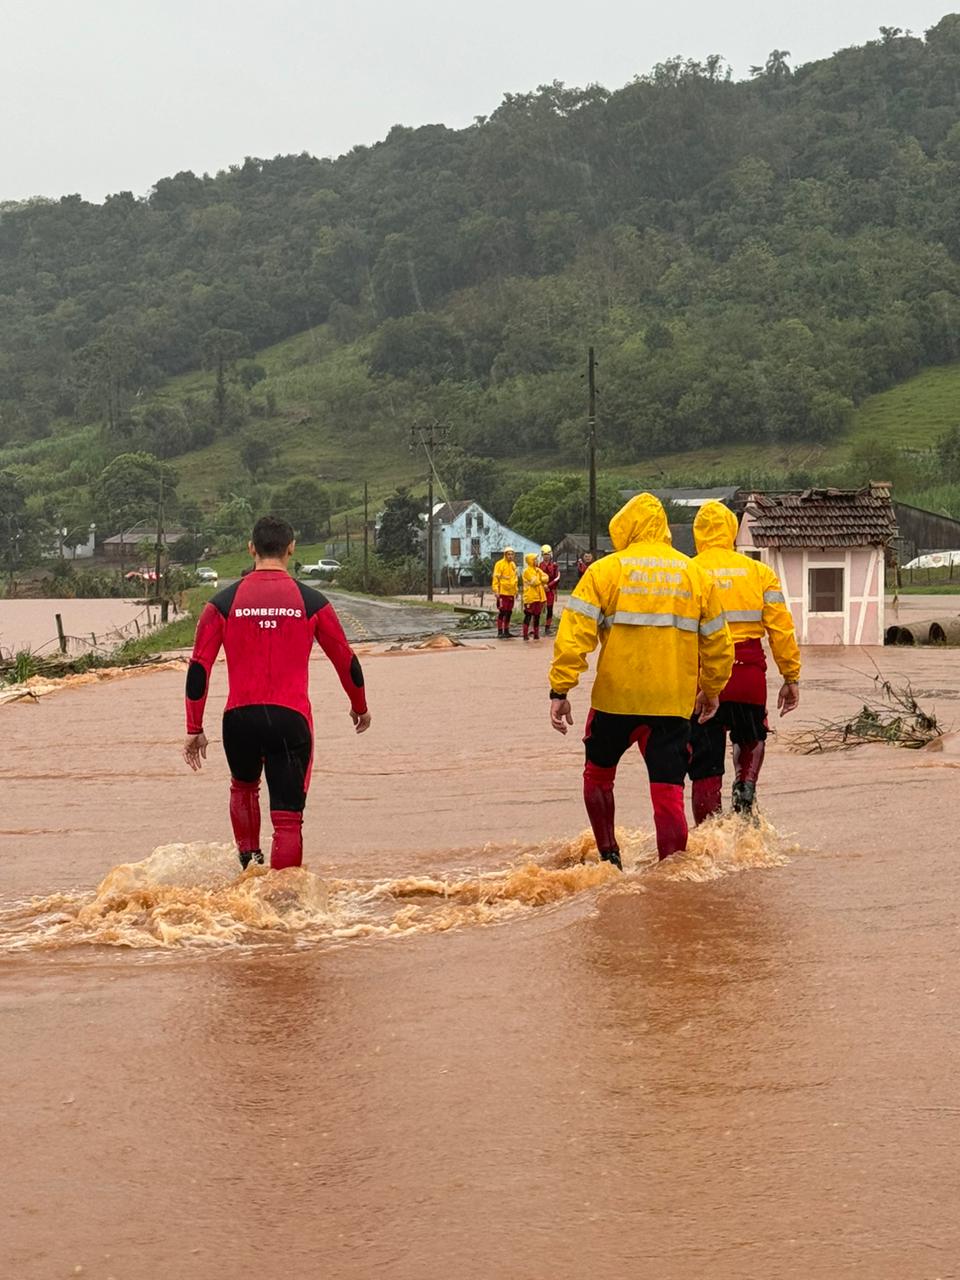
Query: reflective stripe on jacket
{"type": "Point", "coordinates": [655, 616]}
{"type": "Point", "coordinates": [749, 591]}
{"type": "Point", "coordinates": [505, 578]}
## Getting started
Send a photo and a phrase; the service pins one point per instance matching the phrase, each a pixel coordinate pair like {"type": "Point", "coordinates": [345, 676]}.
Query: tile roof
{"type": "Point", "coordinates": [823, 517]}
{"type": "Point", "coordinates": [447, 512]}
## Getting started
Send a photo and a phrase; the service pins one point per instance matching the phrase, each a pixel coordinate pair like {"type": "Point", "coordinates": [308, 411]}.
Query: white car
{"type": "Point", "coordinates": [206, 574]}
{"type": "Point", "coordinates": [322, 569]}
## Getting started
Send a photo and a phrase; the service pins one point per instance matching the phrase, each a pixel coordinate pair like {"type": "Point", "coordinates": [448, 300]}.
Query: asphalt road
{"type": "Point", "coordinates": [365, 619]}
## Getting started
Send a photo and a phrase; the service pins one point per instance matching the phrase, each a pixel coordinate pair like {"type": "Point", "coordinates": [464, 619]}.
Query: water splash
{"type": "Point", "coordinates": [190, 895]}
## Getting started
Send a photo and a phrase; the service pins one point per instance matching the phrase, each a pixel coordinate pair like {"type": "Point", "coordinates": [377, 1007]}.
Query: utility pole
{"type": "Point", "coordinates": [366, 536]}
{"type": "Point", "coordinates": [429, 437]}
{"type": "Point", "coordinates": [592, 448]}
{"type": "Point", "coordinates": [159, 540]}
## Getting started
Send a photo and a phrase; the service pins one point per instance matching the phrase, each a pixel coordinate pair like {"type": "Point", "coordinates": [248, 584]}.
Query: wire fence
{"type": "Point", "coordinates": [103, 643]}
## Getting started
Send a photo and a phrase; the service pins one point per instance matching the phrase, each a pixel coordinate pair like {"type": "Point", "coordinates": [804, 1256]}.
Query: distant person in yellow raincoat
{"type": "Point", "coordinates": [534, 595]}
{"type": "Point", "coordinates": [505, 582]}
{"type": "Point", "coordinates": [659, 624]}
{"type": "Point", "coordinates": [754, 605]}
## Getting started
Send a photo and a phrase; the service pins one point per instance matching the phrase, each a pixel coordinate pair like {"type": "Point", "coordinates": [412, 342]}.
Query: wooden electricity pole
{"type": "Point", "coordinates": [592, 448]}
{"type": "Point", "coordinates": [430, 437]}
{"type": "Point", "coordinates": [366, 536]}
{"type": "Point", "coordinates": [156, 567]}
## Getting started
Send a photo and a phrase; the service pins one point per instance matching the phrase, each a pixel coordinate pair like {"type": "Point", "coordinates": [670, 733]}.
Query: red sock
{"type": "Point", "coordinates": [707, 798]}
{"type": "Point", "coordinates": [669, 818]}
{"type": "Point", "coordinates": [598, 798]}
{"type": "Point", "coordinates": [287, 848]}
{"type": "Point", "coordinates": [747, 760]}
{"type": "Point", "coordinates": [245, 814]}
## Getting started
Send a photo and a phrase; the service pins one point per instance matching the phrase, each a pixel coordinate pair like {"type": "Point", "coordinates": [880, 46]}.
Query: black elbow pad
{"type": "Point", "coordinates": [196, 681]}
{"type": "Point", "coordinates": [356, 672]}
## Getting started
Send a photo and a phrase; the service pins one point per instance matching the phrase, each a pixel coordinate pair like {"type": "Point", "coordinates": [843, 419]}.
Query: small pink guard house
{"type": "Point", "coordinates": [828, 547]}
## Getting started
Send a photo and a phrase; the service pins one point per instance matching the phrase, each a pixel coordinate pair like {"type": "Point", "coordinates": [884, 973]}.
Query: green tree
{"type": "Point", "coordinates": [306, 504]}
{"type": "Point", "coordinates": [234, 519]}
{"type": "Point", "coordinates": [20, 531]}
{"type": "Point", "coordinates": [129, 490]}
{"type": "Point", "coordinates": [560, 505]}
{"type": "Point", "coordinates": [426, 345]}
{"type": "Point", "coordinates": [219, 350]}
{"type": "Point", "coordinates": [256, 453]}
{"type": "Point", "coordinates": [401, 527]}
{"type": "Point", "coordinates": [948, 454]}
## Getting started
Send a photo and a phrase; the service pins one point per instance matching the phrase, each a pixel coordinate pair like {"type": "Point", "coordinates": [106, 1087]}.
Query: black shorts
{"type": "Point", "coordinates": [664, 743]}
{"type": "Point", "coordinates": [746, 722]}
{"type": "Point", "coordinates": [272, 740]}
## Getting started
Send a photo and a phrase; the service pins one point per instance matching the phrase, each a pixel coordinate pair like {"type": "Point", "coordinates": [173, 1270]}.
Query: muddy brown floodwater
{"type": "Point", "coordinates": [448, 1050]}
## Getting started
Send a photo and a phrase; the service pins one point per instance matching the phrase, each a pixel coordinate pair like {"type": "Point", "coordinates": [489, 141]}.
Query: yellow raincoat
{"type": "Point", "coordinates": [656, 617]}
{"type": "Point", "coordinates": [750, 592]}
{"type": "Point", "coordinates": [534, 582]}
{"type": "Point", "coordinates": [505, 578]}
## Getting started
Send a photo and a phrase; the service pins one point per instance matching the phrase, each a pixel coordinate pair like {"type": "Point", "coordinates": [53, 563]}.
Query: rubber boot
{"type": "Point", "coordinates": [287, 849]}
{"type": "Point", "coordinates": [245, 819]}
{"type": "Point", "coordinates": [598, 800]}
{"type": "Point", "coordinates": [747, 761]}
{"type": "Point", "coordinates": [526, 630]}
{"type": "Point", "coordinates": [254, 855]}
{"type": "Point", "coordinates": [707, 798]}
{"type": "Point", "coordinates": [669, 818]}
{"type": "Point", "coordinates": [744, 798]}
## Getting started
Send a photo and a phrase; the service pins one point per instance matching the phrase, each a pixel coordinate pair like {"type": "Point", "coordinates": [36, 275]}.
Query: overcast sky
{"type": "Point", "coordinates": [110, 95]}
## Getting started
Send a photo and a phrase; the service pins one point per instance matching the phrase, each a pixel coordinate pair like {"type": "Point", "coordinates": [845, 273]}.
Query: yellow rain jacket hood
{"type": "Point", "coordinates": [505, 577]}
{"type": "Point", "coordinates": [534, 581]}
{"type": "Point", "coordinates": [749, 591]}
{"type": "Point", "coordinates": [655, 616]}
{"type": "Point", "coordinates": [643, 519]}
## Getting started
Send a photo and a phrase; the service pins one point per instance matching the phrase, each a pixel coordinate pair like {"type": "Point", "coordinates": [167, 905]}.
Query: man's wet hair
{"type": "Point", "coordinates": [272, 536]}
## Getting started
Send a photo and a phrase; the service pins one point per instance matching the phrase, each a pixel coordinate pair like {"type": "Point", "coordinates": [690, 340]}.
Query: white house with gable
{"type": "Point", "coordinates": [463, 532]}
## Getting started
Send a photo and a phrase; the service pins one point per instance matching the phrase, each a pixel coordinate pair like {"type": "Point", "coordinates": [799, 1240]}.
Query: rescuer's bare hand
{"type": "Point", "coordinates": [561, 714]}
{"type": "Point", "coordinates": [361, 722]}
{"type": "Point", "coordinates": [705, 708]}
{"type": "Point", "coordinates": [195, 750]}
{"type": "Point", "coordinates": [789, 698]}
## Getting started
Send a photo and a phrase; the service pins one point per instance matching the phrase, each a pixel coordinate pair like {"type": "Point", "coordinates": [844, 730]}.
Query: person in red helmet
{"type": "Point", "coordinates": [661, 630]}
{"type": "Point", "coordinates": [754, 605]}
{"type": "Point", "coordinates": [267, 624]}
{"type": "Point", "coordinates": [552, 570]}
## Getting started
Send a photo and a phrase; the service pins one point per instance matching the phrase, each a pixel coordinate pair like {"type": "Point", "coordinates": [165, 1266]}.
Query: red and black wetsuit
{"type": "Point", "coordinates": [266, 624]}
{"type": "Point", "coordinates": [552, 570]}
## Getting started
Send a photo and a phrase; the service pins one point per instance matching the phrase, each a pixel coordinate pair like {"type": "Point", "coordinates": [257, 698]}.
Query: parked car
{"type": "Point", "coordinates": [206, 574]}
{"type": "Point", "coordinates": [322, 569]}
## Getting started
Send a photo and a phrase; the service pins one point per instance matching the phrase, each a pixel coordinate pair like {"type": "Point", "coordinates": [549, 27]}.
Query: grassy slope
{"type": "Point", "coordinates": [303, 369]}
{"type": "Point", "coordinates": [307, 371]}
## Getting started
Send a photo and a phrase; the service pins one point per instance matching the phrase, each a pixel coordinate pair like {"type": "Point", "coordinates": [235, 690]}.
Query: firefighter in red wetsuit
{"type": "Point", "coordinates": [267, 622]}
{"type": "Point", "coordinates": [552, 570]}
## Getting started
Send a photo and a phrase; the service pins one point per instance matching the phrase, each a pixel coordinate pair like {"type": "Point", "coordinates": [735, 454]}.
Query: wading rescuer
{"type": "Point", "coordinates": [752, 599]}
{"type": "Point", "coordinates": [552, 570]}
{"type": "Point", "coordinates": [267, 623]}
{"type": "Point", "coordinates": [505, 581]}
{"type": "Point", "coordinates": [658, 621]}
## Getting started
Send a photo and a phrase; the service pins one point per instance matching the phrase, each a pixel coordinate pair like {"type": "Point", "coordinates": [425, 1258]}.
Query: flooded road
{"type": "Point", "coordinates": [447, 1049]}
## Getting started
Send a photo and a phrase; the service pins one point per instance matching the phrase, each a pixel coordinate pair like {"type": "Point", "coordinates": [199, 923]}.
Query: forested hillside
{"type": "Point", "coordinates": [751, 259]}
